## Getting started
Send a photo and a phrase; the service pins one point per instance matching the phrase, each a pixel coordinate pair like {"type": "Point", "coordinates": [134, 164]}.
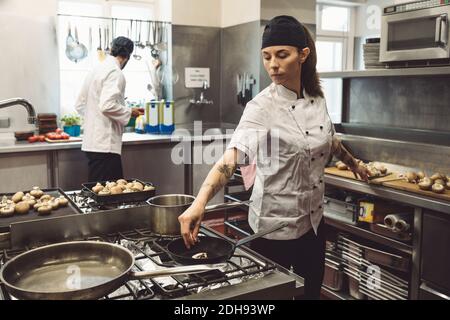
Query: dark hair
{"type": "Point", "coordinates": [122, 46]}
{"type": "Point", "coordinates": [310, 78]}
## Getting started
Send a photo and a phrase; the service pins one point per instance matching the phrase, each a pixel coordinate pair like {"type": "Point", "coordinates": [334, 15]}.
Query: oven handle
{"type": "Point", "coordinates": [440, 36]}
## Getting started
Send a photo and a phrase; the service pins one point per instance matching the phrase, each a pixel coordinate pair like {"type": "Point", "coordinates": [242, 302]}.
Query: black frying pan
{"type": "Point", "coordinates": [77, 270]}
{"type": "Point", "coordinates": [211, 249]}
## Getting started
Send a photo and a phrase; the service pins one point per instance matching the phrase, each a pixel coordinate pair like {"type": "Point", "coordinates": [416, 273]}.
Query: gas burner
{"type": "Point", "coordinates": [150, 253]}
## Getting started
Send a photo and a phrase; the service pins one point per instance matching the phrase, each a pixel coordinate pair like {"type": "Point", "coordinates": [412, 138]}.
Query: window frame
{"type": "Point", "coordinates": [346, 37]}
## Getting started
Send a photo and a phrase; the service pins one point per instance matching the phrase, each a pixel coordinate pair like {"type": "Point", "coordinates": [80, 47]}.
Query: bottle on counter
{"type": "Point", "coordinates": [166, 116]}
{"type": "Point", "coordinates": [152, 117]}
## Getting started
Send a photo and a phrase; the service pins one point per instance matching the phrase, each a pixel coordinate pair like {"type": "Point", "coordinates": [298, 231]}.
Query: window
{"type": "Point", "coordinates": [72, 74]}
{"type": "Point", "coordinates": [335, 33]}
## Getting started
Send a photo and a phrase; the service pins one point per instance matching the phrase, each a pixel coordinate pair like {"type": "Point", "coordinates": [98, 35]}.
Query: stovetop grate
{"type": "Point", "coordinates": [149, 249]}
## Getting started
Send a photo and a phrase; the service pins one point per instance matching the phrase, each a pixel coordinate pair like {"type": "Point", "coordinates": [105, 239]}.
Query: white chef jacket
{"type": "Point", "coordinates": [292, 189]}
{"type": "Point", "coordinates": [101, 103]}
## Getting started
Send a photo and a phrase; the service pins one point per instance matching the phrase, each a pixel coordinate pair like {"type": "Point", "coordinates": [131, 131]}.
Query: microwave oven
{"type": "Point", "coordinates": [416, 32]}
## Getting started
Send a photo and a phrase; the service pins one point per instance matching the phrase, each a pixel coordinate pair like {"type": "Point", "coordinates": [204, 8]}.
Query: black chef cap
{"type": "Point", "coordinates": [284, 31]}
{"type": "Point", "coordinates": [122, 46]}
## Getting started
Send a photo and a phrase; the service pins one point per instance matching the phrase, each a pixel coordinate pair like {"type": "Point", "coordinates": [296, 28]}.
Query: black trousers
{"type": "Point", "coordinates": [104, 166]}
{"type": "Point", "coordinates": [306, 255]}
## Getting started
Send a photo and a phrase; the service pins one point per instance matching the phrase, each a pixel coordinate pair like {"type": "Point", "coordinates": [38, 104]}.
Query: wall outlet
{"type": "Point", "coordinates": [4, 122]}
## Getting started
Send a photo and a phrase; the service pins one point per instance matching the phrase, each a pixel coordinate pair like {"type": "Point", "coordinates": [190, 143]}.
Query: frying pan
{"type": "Point", "coordinates": [77, 270]}
{"type": "Point", "coordinates": [216, 249]}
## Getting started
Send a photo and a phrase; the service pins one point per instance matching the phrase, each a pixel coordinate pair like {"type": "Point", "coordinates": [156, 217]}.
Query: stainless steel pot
{"type": "Point", "coordinates": [167, 208]}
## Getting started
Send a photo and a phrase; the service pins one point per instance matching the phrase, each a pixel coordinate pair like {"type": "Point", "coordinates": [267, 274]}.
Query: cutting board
{"type": "Point", "coordinates": [71, 139]}
{"type": "Point", "coordinates": [388, 181]}
{"type": "Point", "coordinates": [406, 186]}
{"type": "Point", "coordinates": [349, 175]}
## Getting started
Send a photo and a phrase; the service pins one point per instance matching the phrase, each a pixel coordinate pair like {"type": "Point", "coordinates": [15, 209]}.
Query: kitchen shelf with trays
{"type": "Point", "coordinates": [361, 263]}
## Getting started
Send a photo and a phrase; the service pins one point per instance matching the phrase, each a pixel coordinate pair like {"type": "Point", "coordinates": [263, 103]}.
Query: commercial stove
{"type": "Point", "coordinates": [246, 275]}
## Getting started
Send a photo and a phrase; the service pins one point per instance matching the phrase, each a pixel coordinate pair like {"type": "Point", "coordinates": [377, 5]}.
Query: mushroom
{"type": "Point", "coordinates": [7, 211]}
{"type": "Point", "coordinates": [104, 192]}
{"type": "Point", "coordinates": [341, 166]}
{"type": "Point", "coordinates": [116, 190]}
{"type": "Point", "coordinates": [411, 176]}
{"type": "Point", "coordinates": [420, 175]}
{"type": "Point", "coordinates": [148, 188]}
{"type": "Point", "coordinates": [440, 181]}
{"type": "Point", "coordinates": [97, 188]}
{"type": "Point", "coordinates": [437, 188]}
{"type": "Point", "coordinates": [54, 203]}
{"type": "Point", "coordinates": [36, 192]}
{"type": "Point", "coordinates": [128, 191]}
{"type": "Point", "coordinates": [63, 202]}
{"type": "Point", "coordinates": [44, 210]}
{"type": "Point", "coordinates": [137, 186]}
{"type": "Point", "coordinates": [122, 181]}
{"type": "Point", "coordinates": [129, 185]}
{"type": "Point", "coordinates": [22, 207]}
{"type": "Point", "coordinates": [436, 176]}
{"type": "Point", "coordinates": [425, 184]}
{"type": "Point", "coordinates": [447, 185]}
{"type": "Point", "coordinates": [17, 197]}
{"type": "Point", "coordinates": [45, 197]}
{"type": "Point", "coordinates": [110, 185]}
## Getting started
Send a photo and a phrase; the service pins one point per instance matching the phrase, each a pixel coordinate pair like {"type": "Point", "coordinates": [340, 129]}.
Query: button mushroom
{"type": "Point", "coordinates": [7, 211]}
{"type": "Point", "coordinates": [22, 207]}
{"type": "Point", "coordinates": [63, 202]}
{"type": "Point", "coordinates": [36, 192]}
{"type": "Point", "coordinates": [437, 188]}
{"type": "Point", "coordinates": [17, 197]}
{"type": "Point", "coordinates": [44, 210]}
{"type": "Point", "coordinates": [425, 184]}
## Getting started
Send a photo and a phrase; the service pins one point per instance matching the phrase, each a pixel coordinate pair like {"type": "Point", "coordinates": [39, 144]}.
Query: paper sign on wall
{"type": "Point", "coordinates": [195, 77]}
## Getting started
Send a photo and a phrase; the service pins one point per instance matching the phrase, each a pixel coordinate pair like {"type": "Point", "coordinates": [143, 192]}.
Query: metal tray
{"type": "Point", "coordinates": [70, 209]}
{"type": "Point", "coordinates": [122, 197]}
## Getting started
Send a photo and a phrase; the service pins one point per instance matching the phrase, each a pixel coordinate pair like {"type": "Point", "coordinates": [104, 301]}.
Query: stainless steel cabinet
{"type": "Point", "coordinates": [435, 267]}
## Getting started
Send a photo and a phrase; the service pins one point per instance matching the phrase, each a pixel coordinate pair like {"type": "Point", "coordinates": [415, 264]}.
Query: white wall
{"type": "Point", "coordinates": [236, 12]}
{"type": "Point", "coordinates": [303, 10]}
{"type": "Point", "coordinates": [29, 62]}
{"type": "Point", "coordinates": [204, 13]}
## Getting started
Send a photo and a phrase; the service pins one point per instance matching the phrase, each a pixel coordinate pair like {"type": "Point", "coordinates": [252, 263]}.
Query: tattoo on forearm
{"type": "Point", "coordinates": [227, 170]}
{"type": "Point", "coordinates": [341, 153]}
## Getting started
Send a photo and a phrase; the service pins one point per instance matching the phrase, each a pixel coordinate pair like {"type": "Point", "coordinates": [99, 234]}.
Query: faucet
{"type": "Point", "coordinates": [20, 101]}
{"type": "Point", "coordinates": [202, 99]}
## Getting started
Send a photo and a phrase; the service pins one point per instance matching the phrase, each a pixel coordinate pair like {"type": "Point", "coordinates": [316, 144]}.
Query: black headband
{"type": "Point", "coordinates": [284, 31]}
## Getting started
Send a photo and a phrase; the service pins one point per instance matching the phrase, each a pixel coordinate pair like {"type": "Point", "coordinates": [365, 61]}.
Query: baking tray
{"type": "Point", "coordinates": [122, 197]}
{"type": "Point", "coordinates": [70, 209]}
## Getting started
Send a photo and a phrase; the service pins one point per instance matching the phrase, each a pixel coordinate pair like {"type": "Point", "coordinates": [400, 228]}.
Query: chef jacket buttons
{"type": "Point", "coordinates": [314, 187]}
{"type": "Point", "coordinates": [312, 101]}
{"type": "Point", "coordinates": [321, 181]}
{"type": "Point", "coordinates": [321, 154]}
{"type": "Point", "coordinates": [321, 127]}
{"type": "Point", "coordinates": [312, 211]}
{"type": "Point", "coordinates": [307, 132]}
{"type": "Point", "coordinates": [312, 159]}
{"type": "Point", "coordinates": [320, 207]}
{"type": "Point", "coordinates": [293, 107]}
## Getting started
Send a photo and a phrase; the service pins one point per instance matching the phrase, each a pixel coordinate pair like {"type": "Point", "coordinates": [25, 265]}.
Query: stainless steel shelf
{"type": "Point", "coordinates": [399, 72]}
{"type": "Point", "coordinates": [333, 295]}
{"type": "Point", "coordinates": [407, 198]}
{"type": "Point", "coordinates": [369, 235]}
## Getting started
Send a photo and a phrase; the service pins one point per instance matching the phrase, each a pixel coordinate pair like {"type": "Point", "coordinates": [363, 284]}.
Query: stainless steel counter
{"type": "Point", "coordinates": [390, 194]}
{"type": "Point", "coordinates": [9, 145]}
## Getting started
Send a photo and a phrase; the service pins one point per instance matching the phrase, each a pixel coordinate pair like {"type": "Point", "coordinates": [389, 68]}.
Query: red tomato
{"type": "Point", "coordinates": [65, 136]}
{"type": "Point", "coordinates": [50, 135]}
{"type": "Point", "coordinates": [59, 130]}
{"type": "Point", "coordinates": [41, 138]}
{"type": "Point", "coordinates": [33, 139]}
{"type": "Point", "coordinates": [57, 137]}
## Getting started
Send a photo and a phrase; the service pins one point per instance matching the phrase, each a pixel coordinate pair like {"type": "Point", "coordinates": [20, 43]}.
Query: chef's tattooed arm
{"type": "Point", "coordinates": [219, 176]}
{"type": "Point", "coordinates": [340, 152]}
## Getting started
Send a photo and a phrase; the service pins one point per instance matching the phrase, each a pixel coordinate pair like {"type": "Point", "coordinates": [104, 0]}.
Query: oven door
{"type": "Point", "coordinates": [416, 35]}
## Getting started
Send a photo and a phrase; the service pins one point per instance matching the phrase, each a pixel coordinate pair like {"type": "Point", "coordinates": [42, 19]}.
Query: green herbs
{"type": "Point", "coordinates": [71, 120]}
